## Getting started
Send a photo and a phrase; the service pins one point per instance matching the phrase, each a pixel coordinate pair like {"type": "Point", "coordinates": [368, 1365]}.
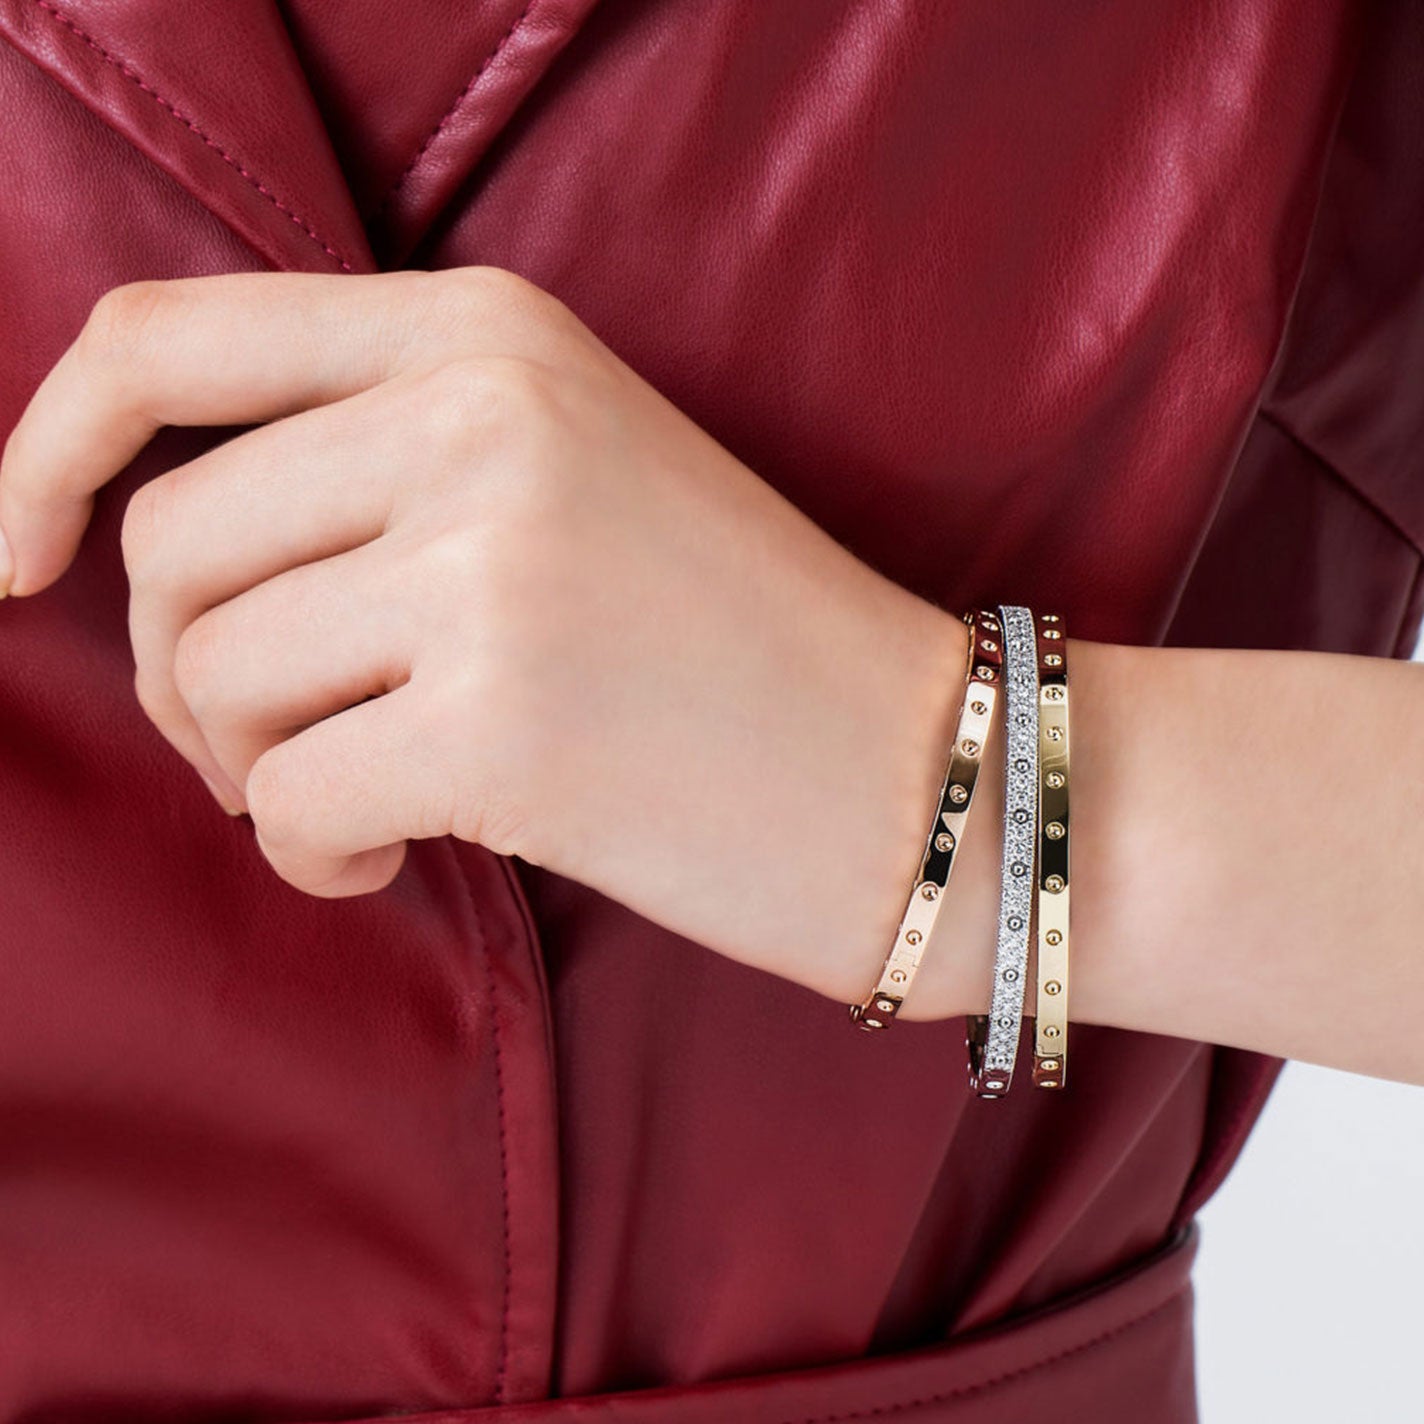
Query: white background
{"type": "Point", "coordinates": [1310, 1278]}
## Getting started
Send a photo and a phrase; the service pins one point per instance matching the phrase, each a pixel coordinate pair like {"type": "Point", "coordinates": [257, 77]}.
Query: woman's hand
{"type": "Point", "coordinates": [474, 576]}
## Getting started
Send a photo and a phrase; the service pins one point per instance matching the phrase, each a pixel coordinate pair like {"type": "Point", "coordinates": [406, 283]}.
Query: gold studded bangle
{"type": "Point", "coordinates": [976, 717]}
{"type": "Point", "coordinates": [1050, 1060]}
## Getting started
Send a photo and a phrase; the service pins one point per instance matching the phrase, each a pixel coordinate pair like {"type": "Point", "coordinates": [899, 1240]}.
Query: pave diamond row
{"type": "Point", "coordinates": [994, 1040]}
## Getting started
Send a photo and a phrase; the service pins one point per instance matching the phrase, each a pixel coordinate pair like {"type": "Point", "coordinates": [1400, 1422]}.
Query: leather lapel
{"type": "Point", "coordinates": [214, 95]}
{"type": "Point", "coordinates": [510, 47]}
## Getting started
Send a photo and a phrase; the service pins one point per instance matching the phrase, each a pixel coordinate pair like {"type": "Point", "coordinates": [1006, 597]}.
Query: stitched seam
{"type": "Point", "coordinates": [1354, 486]}
{"type": "Point", "coordinates": [879, 1410]}
{"type": "Point", "coordinates": [1403, 648]}
{"type": "Point", "coordinates": [503, 1134]}
{"type": "Point", "coordinates": [450, 113]}
{"type": "Point", "coordinates": [253, 181]}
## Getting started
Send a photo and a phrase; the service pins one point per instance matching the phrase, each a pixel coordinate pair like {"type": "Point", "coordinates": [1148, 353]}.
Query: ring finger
{"type": "Point", "coordinates": [304, 488]}
{"type": "Point", "coordinates": [297, 648]}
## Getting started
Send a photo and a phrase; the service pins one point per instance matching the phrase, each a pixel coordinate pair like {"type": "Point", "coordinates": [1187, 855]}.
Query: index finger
{"type": "Point", "coordinates": [232, 349]}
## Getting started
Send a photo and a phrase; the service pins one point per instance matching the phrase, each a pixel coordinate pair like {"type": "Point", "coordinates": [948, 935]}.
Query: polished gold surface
{"type": "Point", "coordinates": [956, 800]}
{"type": "Point", "coordinates": [1050, 1063]}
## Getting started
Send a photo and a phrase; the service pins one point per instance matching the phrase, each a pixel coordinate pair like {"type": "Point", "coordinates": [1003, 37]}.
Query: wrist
{"type": "Point", "coordinates": [901, 782]}
{"type": "Point", "coordinates": [955, 976]}
{"type": "Point", "coordinates": [957, 973]}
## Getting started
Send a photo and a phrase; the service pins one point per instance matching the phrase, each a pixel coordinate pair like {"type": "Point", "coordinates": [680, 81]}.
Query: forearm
{"type": "Point", "coordinates": [1247, 846]}
{"type": "Point", "coordinates": [1253, 851]}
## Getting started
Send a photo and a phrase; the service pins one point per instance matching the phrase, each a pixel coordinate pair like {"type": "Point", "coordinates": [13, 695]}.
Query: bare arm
{"type": "Point", "coordinates": [471, 575]}
{"type": "Point", "coordinates": [1248, 856]}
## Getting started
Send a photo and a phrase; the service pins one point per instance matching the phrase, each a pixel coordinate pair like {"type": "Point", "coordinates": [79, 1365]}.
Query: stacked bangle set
{"type": "Point", "coordinates": [1025, 657]}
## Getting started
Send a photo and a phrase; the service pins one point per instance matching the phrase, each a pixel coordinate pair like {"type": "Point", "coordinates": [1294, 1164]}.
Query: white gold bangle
{"type": "Point", "coordinates": [993, 1039]}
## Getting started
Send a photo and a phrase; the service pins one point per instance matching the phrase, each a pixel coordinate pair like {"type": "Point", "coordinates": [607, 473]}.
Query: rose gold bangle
{"type": "Point", "coordinates": [1050, 1053]}
{"type": "Point", "coordinates": [976, 717]}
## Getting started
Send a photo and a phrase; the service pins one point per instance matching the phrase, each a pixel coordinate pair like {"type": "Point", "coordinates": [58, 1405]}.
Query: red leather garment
{"type": "Point", "coordinates": [1115, 309]}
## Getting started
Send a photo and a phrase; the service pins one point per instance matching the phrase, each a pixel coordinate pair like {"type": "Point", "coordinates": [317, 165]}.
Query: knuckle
{"type": "Point", "coordinates": [465, 402]}
{"type": "Point", "coordinates": [119, 323]}
{"type": "Point", "coordinates": [196, 658]}
{"type": "Point", "coordinates": [487, 802]}
{"type": "Point", "coordinates": [447, 402]}
{"type": "Point", "coordinates": [483, 287]}
{"type": "Point", "coordinates": [141, 532]}
{"type": "Point", "coordinates": [490, 802]}
{"type": "Point", "coordinates": [447, 565]}
{"type": "Point", "coordinates": [270, 799]}
{"type": "Point", "coordinates": [159, 702]}
{"type": "Point", "coordinates": [497, 826]}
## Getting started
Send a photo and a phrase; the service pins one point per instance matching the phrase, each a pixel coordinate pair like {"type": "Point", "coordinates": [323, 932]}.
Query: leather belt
{"type": "Point", "coordinates": [1117, 1351]}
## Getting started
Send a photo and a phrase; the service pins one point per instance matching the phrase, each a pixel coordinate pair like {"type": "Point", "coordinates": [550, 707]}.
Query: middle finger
{"type": "Point", "coordinates": [304, 488]}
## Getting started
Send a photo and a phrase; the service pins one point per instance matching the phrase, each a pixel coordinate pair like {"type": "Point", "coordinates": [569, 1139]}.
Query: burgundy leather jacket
{"type": "Point", "coordinates": [1114, 308]}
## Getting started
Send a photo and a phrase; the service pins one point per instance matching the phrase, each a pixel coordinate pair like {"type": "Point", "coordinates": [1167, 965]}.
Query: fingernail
{"type": "Point", "coordinates": [7, 566]}
{"type": "Point", "coordinates": [220, 798]}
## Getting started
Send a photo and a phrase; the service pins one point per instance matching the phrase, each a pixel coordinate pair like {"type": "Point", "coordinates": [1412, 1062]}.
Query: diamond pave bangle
{"type": "Point", "coordinates": [976, 717]}
{"type": "Point", "coordinates": [992, 1040]}
{"type": "Point", "coordinates": [1050, 1054]}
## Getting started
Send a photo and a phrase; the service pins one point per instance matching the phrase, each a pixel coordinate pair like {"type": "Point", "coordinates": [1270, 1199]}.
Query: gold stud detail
{"type": "Point", "coordinates": [913, 936]}
{"type": "Point", "coordinates": [1053, 694]}
{"type": "Point", "coordinates": [1049, 617]}
{"type": "Point", "coordinates": [1054, 937]}
{"type": "Point", "coordinates": [1054, 779]}
{"type": "Point", "coordinates": [872, 1023]}
{"type": "Point", "coordinates": [1049, 1064]}
{"type": "Point", "coordinates": [958, 794]}
{"type": "Point", "coordinates": [897, 976]}
{"type": "Point", "coordinates": [1052, 987]}
{"type": "Point", "coordinates": [944, 841]}
{"type": "Point", "coordinates": [1053, 659]}
{"type": "Point", "coordinates": [1054, 830]}
{"type": "Point", "coordinates": [978, 708]}
{"type": "Point", "coordinates": [1050, 1030]}
{"type": "Point", "coordinates": [1052, 633]}
{"type": "Point", "coordinates": [984, 673]}
{"type": "Point", "coordinates": [884, 1005]}
{"type": "Point", "coordinates": [1054, 883]}
{"type": "Point", "coordinates": [1054, 734]}
{"type": "Point", "coordinates": [969, 747]}
{"type": "Point", "coordinates": [928, 892]}
{"type": "Point", "coordinates": [988, 645]}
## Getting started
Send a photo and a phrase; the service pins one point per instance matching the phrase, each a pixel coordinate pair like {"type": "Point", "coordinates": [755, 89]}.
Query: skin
{"type": "Point", "coordinates": [469, 574]}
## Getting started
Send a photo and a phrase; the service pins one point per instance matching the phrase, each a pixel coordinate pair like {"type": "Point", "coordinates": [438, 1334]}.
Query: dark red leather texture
{"type": "Point", "coordinates": [1116, 309]}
